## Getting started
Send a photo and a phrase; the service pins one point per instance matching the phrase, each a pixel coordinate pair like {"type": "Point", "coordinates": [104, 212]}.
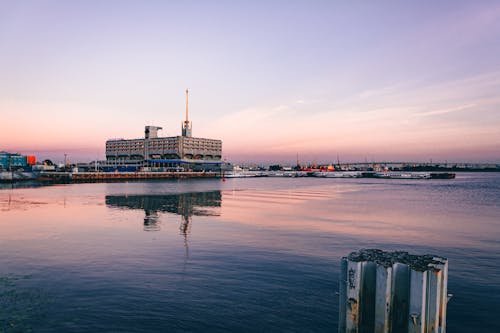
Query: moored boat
{"type": "Point", "coordinates": [395, 175]}
{"type": "Point", "coordinates": [337, 174]}
{"type": "Point", "coordinates": [7, 176]}
{"type": "Point", "coordinates": [442, 175]}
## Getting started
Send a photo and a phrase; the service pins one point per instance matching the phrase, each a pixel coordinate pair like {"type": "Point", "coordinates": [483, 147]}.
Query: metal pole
{"type": "Point", "coordinates": [187, 100]}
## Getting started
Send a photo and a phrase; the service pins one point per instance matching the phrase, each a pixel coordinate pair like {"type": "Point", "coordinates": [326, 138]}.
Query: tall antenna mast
{"type": "Point", "coordinates": [187, 100]}
{"type": "Point", "coordinates": [186, 125]}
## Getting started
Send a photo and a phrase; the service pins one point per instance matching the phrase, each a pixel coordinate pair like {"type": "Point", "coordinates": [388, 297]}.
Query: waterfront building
{"type": "Point", "coordinates": [185, 151]}
{"type": "Point", "coordinates": [9, 161]}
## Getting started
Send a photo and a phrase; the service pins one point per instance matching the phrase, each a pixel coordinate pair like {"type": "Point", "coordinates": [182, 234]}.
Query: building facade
{"type": "Point", "coordinates": [12, 161]}
{"type": "Point", "coordinates": [163, 150]}
{"type": "Point", "coordinates": [177, 151]}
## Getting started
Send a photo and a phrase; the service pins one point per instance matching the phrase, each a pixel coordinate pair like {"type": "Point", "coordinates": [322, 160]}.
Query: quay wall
{"type": "Point", "coordinates": [82, 177]}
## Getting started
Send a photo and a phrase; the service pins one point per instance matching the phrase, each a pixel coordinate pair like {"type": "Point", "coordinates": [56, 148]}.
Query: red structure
{"type": "Point", "coordinates": [30, 160]}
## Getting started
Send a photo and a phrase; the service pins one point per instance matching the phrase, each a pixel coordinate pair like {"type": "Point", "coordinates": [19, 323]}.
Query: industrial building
{"type": "Point", "coordinates": [13, 161]}
{"type": "Point", "coordinates": [185, 151]}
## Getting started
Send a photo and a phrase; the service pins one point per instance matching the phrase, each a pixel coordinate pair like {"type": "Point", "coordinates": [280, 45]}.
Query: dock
{"type": "Point", "coordinates": [89, 177]}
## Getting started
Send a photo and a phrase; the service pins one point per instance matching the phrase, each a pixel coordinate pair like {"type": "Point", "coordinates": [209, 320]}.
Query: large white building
{"type": "Point", "coordinates": [152, 150]}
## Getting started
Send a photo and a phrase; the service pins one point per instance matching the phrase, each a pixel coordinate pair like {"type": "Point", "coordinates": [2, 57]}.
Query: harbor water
{"type": "Point", "coordinates": [240, 255]}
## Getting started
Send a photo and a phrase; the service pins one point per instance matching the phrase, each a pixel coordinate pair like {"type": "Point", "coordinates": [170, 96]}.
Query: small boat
{"type": "Point", "coordinates": [7, 176]}
{"type": "Point", "coordinates": [243, 174]}
{"type": "Point", "coordinates": [337, 174]}
{"type": "Point", "coordinates": [395, 175]}
{"type": "Point", "coordinates": [442, 175]}
{"type": "Point", "coordinates": [236, 175]}
{"type": "Point", "coordinates": [401, 175]}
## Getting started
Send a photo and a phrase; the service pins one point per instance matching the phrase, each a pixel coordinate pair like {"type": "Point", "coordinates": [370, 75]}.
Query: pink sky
{"type": "Point", "coordinates": [362, 81]}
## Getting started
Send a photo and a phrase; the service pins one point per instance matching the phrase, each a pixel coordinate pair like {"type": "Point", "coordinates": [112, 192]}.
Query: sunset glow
{"type": "Point", "coordinates": [374, 80]}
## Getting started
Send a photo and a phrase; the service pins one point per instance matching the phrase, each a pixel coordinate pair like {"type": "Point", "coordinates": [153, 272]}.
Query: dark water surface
{"type": "Point", "coordinates": [244, 255]}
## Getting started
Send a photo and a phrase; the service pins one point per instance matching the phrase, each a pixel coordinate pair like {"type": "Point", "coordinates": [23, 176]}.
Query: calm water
{"type": "Point", "coordinates": [245, 255]}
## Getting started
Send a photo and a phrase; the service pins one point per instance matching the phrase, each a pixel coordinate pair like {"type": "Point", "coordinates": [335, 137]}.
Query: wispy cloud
{"type": "Point", "coordinates": [444, 111]}
{"type": "Point", "coordinates": [371, 93]}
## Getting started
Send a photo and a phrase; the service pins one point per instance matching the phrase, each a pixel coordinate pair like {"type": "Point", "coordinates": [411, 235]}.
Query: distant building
{"type": "Point", "coordinates": [10, 161]}
{"type": "Point", "coordinates": [176, 151]}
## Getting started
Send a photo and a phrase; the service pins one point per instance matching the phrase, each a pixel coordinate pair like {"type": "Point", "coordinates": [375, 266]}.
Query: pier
{"type": "Point", "coordinates": [84, 177]}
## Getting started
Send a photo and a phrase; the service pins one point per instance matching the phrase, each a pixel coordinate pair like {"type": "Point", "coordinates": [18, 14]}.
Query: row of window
{"type": "Point", "coordinates": [159, 147]}
{"type": "Point", "coordinates": [203, 144]}
{"type": "Point", "coordinates": [139, 146]}
{"type": "Point", "coordinates": [206, 142]}
{"type": "Point", "coordinates": [203, 151]}
{"type": "Point", "coordinates": [125, 145]}
{"type": "Point", "coordinates": [164, 145]}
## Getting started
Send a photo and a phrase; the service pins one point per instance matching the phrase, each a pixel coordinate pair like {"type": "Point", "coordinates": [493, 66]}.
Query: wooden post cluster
{"type": "Point", "coordinates": [393, 292]}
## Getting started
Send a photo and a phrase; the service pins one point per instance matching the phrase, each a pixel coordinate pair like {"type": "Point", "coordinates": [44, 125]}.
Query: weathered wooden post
{"type": "Point", "coordinates": [393, 292]}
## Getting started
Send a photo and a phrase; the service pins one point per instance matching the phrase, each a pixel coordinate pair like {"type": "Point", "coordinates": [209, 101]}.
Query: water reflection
{"type": "Point", "coordinates": [23, 184]}
{"type": "Point", "coordinates": [273, 254]}
{"type": "Point", "coordinates": [184, 204]}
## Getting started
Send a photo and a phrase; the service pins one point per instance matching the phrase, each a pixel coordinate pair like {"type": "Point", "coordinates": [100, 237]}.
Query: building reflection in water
{"type": "Point", "coordinates": [184, 204]}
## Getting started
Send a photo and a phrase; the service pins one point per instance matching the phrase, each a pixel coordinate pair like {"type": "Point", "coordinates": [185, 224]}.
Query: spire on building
{"type": "Point", "coordinates": [186, 125]}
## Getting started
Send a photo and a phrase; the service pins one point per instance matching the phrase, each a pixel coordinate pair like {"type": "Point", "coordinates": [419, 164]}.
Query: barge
{"type": "Point", "coordinates": [84, 177]}
{"type": "Point", "coordinates": [407, 175]}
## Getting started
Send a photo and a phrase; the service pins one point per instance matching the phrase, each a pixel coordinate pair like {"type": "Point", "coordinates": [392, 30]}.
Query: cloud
{"type": "Point", "coordinates": [378, 92]}
{"type": "Point", "coordinates": [444, 111]}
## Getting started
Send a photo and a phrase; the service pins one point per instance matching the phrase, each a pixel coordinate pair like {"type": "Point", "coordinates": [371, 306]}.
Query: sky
{"type": "Point", "coordinates": [361, 80]}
